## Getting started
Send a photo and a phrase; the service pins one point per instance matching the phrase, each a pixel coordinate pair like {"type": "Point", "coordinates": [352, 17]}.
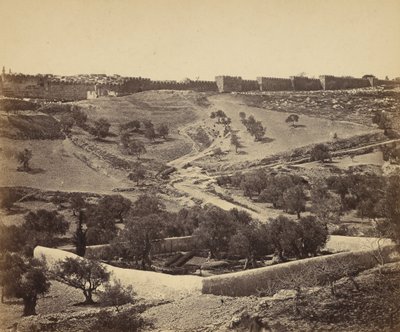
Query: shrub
{"type": "Point", "coordinates": [127, 321]}
{"type": "Point", "coordinates": [116, 295]}
{"type": "Point", "coordinates": [320, 152]}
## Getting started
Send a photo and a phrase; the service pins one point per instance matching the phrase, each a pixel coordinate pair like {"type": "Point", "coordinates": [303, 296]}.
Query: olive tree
{"type": "Point", "coordinates": [23, 278]}
{"type": "Point", "coordinates": [84, 274]}
{"type": "Point", "coordinates": [23, 158]}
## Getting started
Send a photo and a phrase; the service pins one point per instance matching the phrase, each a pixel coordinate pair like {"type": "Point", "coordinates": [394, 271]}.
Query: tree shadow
{"type": "Point", "coordinates": [299, 126]}
{"type": "Point", "coordinates": [266, 140]}
{"type": "Point", "coordinates": [34, 171]}
{"type": "Point", "coordinates": [242, 153]}
{"type": "Point", "coordinates": [157, 142]}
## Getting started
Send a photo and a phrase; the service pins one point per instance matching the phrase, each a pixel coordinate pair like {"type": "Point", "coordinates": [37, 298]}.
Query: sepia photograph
{"type": "Point", "coordinates": [210, 166]}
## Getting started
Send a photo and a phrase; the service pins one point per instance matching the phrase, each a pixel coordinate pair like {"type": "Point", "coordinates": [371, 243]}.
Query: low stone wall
{"type": "Point", "coordinates": [153, 285]}
{"type": "Point", "coordinates": [307, 272]}
{"type": "Point", "coordinates": [147, 284]}
{"type": "Point", "coordinates": [174, 244]}
{"type": "Point", "coordinates": [162, 246]}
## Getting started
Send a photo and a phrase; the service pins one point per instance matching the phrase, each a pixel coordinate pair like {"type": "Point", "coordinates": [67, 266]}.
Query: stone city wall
{"type": "Point", "coordinates": [301, 83]}
{"type": "Point", "coordinates": [329, 82]}
{"type": "Point", "coordinates": [274, 84]}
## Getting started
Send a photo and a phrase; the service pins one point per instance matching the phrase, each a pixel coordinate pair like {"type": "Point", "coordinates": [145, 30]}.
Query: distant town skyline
{"type": "Point", "coordinates": [175, 39]}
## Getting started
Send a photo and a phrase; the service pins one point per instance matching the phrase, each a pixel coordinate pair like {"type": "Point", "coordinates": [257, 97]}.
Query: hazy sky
{"type": "Point", "coordinates": [171, 39]}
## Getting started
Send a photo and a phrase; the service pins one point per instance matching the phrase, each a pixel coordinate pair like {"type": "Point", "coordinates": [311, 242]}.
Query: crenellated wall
{"type": "Point", "coordinates": [274, 84]}
{"type": "Point", "coordinates": [92, 86]}
{"type": "Point", "coordinates": [229, 83]}
{"type": "Point", "coordinates": [24, 86]}
{"type": "Point", "coordinates": [329, 82]}
{"type": "Point", "coordinates": [250, 85]}
{"type": "Point", "coordinates": [43, 87]}
{"type": "Point", "coordinates": [67, 91]}
{"type": "Point", "coordinates": [300, 83]}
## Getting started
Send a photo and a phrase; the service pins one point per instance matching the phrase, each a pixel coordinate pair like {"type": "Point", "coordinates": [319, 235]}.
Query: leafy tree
{"type": "Point", "coordinates": [188, 219]}
{"type": "Point", "coordinates": [314, 235]}
{"type": "Point", "coordinates": [320, 152]}
{"type": "Point", "coordinates": [134, 147]}
{"type": "Point", "coordinates": [284, 235]}
{"type": "Point", "coordinates": [340, 185]}
{"type": "Point", "coordinates": [146, 204]}
{"type": "Point", "coordinates": [125, 138]}
{"type": "Point", "coordinates": [294, 200]}
{"type": "Point", "coordinates": [390, 226]}
{"type": "Point", "coordinates": [7, 198]}
{"type": "Point", "coordinates": [163, 130]}
{"type": "Point", "coordinates": [13, 238]}
{"type": "Point", "coordinates": [220, 115]}
{"type": "Point", "coordinates": [101, 225]}
{"type": "Point", "coordinates": [77, 203]}
{"type": "Point", "coordinates": [150, 133]}
{"type": "Point", "coordinates": [117, 205]}
{"type": "Point", "coordinates": [275, 188]}
{"type": "Point", "coordinates": [84, 274]}
{"type": "Point", "coordinates": [138, 173]}
{"type": "Point", "coordinates": [23, 157]}
{"type": "Point", "coordinates": [215, 230]}
{"type": "Point", "coordinates": [213, 115]}
{"type": "Point", "coordinates": [47, 222]}
{"type": "Point", "coordinates": [325, 206]}
{"type": "Point", "coordinates": [79, 238]}
{"type": "Point", "coordinates": [235, 141]}
{"type": "Point", "coordinates": [131, 125]}
{"type": "Point", "coordinates": [292, 118]}
{"type": "Point", "coordinates": [101, 128]}
{"type": "Point", "coordinates": [249, 242]}
{"type": "Point", "coordinates": [23, 278]}
{"type": "Point", "coordinates": [242, 116]}
{"type": "Point", "coordinates": [382, 119]}
{"type": "Point", "coordinates": [148, 124]}
{"type": "Point", "coordinates": [138, 234]}
{"type": "Point", "coordinates": [252, 182]}
{"type": "Point", "coordinates": [249, 123]}
{"type": "Point", "coordinates": [67, 122]}
{"type": "Point", "coordinates": [241, 217]}
{"type": "Point", "coordinates": [79, 116]}
{"type": "Point", "coordinates": [258, 131]}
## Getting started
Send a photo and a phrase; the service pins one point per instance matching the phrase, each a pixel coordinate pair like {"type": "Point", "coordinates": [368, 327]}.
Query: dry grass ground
{"type": "Point", "coordinates": [279, 136]}
{"type": "Point", "coordinates": [54, 167]}
{"type": "Point", "coordinates": [367, 309]}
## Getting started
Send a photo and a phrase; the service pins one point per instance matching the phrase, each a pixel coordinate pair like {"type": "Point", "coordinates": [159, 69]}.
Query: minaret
{"type": "Point", "coordinates": [3, 73]}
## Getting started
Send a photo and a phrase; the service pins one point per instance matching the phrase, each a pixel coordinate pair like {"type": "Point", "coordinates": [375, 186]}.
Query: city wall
{"type": "Point", "coordinates": [228, 83]}
{"type": "Point", "coordinates": [338, 83]}
{"type": "Point", "coordinates": [274, 84]}
{"type": "Point", "coordinates": [41, 87]}
{"type": "Point", "coordinates": [301, 83]}
{"type": "Point", "coordinates": [69, 89]}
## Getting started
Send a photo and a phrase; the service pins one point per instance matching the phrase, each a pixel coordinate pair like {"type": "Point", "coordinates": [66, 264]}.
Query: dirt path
{"type": "Point", "coordinates": [196, 183]}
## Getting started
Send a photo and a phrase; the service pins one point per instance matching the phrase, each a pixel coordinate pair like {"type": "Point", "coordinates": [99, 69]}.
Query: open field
{"type": "Point", "coordinates": [54, 167]}
{"type": "Point", "coordinates": [279, 136]}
